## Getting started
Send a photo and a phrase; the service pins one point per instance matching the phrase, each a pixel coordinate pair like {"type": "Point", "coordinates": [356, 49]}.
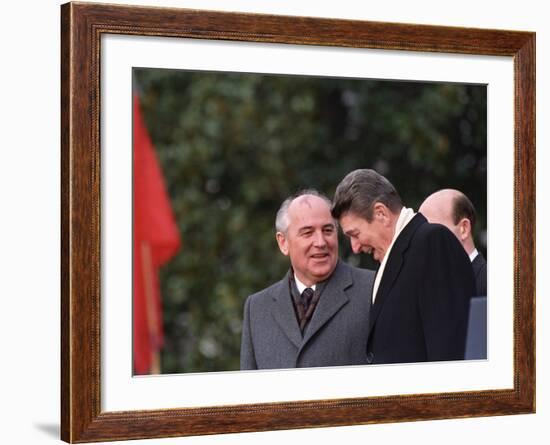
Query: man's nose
{"type": "Point", "coordinates": [319, 239]}
{"type": "Point", "coordinates": [355, 246]}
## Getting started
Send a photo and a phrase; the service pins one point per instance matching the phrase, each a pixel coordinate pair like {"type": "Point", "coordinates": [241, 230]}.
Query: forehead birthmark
{"type": "Point", "coordinates": [304, 200]}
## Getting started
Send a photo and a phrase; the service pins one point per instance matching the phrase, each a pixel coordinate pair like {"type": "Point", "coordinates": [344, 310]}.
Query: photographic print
{"type": "Point", "coordinates": [231, 147]}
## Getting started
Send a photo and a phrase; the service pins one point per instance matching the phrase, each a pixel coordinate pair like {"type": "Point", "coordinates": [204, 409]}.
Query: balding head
{"type": "Point", "coordinates": [454, 210]}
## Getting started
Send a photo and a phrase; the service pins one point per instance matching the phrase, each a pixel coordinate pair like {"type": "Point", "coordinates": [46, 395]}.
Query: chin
{"type": "Point", "coordinates": [324, 272]}
{"type": "Point", "coordinates": [379, 257]}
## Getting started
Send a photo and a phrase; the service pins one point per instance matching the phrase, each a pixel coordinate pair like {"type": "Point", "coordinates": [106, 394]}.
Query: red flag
{"type": "Point", "coordinates": [156, 240]}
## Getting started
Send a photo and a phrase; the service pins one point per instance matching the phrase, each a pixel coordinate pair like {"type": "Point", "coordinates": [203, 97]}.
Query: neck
{"type": "Point", "coordinates": [303, 280]}
{"type": "Point", "coordinates": [469, 245]}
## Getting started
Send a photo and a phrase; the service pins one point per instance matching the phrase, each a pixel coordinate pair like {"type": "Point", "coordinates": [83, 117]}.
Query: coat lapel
{"type": "Point", "coordinates": [477, 264]}
{"type": "Point", "coordinates": [283, 312]}
{"type": "Point", "coordinates": [332, 300]}
{"type": "Point", "coordinates": [394, 265]}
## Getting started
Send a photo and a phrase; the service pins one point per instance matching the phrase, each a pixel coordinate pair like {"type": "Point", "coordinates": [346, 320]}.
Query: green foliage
{"type": "Point", "coordinates": [233, 146]}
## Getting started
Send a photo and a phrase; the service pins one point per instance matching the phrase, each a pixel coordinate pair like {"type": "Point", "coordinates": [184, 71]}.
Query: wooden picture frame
{"type": "Point", "coordinates": [82, 26]}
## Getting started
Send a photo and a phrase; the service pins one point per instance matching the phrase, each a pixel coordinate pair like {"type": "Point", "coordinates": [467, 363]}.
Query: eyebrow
{"type": "Point", "coordinates": [306, 228]}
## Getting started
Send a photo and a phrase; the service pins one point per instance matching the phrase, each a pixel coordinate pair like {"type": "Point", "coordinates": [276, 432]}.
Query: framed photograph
{"type": "Point", "coordinates": [232, 147]}
{"type": "Point", "coordinates": [188, 75]}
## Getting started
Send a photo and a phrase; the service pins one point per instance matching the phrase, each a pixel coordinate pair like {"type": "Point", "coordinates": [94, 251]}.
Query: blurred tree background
{"type": "Point", "coordinates": [233, 146]}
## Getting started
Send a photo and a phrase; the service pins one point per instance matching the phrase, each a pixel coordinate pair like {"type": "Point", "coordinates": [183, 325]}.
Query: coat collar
{"type": "Point", "coordinates": [478, 263]}
{"type": "Point", "coordinates": [394, 264]}
{"type": "Point", "coordinates": [332, 299]}
{"type": "Point", "coordinates": [283, 311]}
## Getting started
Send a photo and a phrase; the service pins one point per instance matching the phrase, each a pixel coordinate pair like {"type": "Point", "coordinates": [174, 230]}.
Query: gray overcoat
{"type": "Point", "coordinates": [336, 335]}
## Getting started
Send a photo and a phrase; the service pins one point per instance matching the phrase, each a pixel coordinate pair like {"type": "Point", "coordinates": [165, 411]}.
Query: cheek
{"type": "Point", "coordinates": [363, 239]}
{"type": "Point", "coordinates": [298, 258]}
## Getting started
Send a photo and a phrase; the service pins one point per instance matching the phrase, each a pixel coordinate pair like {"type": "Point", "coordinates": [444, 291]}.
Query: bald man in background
{"type": "Point", "coordinates": [454, 210]}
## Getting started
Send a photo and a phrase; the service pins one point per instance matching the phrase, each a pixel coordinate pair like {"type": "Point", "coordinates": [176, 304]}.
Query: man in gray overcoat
{"type": "Point", "coordinates": [318, 314]}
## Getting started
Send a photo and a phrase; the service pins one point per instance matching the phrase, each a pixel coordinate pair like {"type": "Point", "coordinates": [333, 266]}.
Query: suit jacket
{"type": "Point", "coordinates": [480, 272]}
{"type": "Point", "coordinates": [421, 310]}
{"type": "Point", "coordinates": [336, 335]}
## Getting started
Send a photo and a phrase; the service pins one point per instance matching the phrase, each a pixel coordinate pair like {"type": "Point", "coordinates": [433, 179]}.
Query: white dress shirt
{"type": "Point", "coordinates": [301, 286]}
{"type": "Point", "coordinates": [404, 218]}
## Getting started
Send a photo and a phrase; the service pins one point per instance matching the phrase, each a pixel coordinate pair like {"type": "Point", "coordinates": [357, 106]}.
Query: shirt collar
{"type": "Point", "coordinates": [405, 217]}
{"type": "Point", "coordinates": [301, 286]}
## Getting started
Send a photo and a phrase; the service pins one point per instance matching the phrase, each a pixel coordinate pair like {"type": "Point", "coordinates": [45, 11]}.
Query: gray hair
{"type": "Point", "coordinates": [282, 221]}
{"type": "Point", "coordinates": [360, 190]}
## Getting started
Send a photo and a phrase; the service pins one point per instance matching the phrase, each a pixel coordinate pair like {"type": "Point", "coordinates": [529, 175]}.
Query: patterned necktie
{"type": "Point", "coordinates": [307, 295]}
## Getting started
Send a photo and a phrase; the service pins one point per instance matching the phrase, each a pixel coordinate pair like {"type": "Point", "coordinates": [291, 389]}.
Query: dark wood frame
{"type": "Point", "coordinates": [82, 25]}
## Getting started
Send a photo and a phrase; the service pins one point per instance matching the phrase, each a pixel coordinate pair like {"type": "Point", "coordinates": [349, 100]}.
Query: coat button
{"type": "Point", "coordinates": [370, 358]}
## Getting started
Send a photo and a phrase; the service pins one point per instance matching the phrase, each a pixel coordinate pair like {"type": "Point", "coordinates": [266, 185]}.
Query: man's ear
{"type": "Point", "coordinates": [464, 228]}
{"type": "Point", "coordinates": [381, 212]}
{"type": "Point", "coordinates": [282, 242]}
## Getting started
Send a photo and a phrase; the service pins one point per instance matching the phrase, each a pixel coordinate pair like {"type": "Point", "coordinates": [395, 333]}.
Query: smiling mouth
{"type": "Point", "coordinates": [319, 256]}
